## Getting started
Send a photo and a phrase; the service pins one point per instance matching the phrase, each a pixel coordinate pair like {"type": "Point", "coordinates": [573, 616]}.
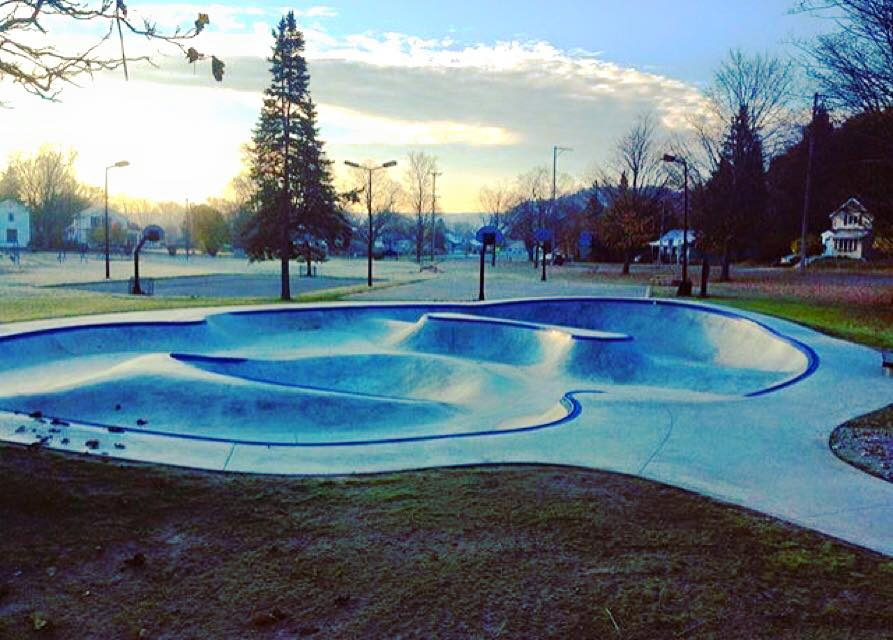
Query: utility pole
{"type": "Point", "coordinates": [556, 151]}
{"type": "Point", "coordinates": [186, 229]}
{"type": "Point", "coordinates": [434, 175]}
{"type": "Point", "coordinates": [805, 222]}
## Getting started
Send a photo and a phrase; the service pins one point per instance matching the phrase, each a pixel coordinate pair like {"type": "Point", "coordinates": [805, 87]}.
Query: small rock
{"type": "Point", "coordinates": [92, 443]}
{"type": "Point", "coordinates": [65, 440]}
{"type": "Point", "coordinates": [117, 407]}
{"type": "Point", "coordinates": [119, 445]}
{"type": "Point", "coordinates": [142, 421]}
{"type": "Point", "coordinates": [59, 423]}
{"type": "Point", "coordinates": [115, 429]}
{"type": "Point", "coordinates": [342, 600]}
{"type": "Point", "coordinates": [37, 415]}
{"type": "Point", "coordinates": [265, 618]}
{"type": "Point", "coordinates": [137, 561]}
{"type": "Point", "coordinates": [38, 620]}
{"type": "Point", "coordinates": [21, 429]}
{"type": "Point", "coordinates": [39, 442]}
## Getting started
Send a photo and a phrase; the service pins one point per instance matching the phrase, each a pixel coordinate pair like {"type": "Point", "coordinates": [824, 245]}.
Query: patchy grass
{"type": "Point", "coordinates": [95, 549]}
{"type": "Point", "coordinates": [867, 443]}
{"type": "Point", "coordinates": [46, 302]}
{"type": "Point", "coordinates": [869, 325]}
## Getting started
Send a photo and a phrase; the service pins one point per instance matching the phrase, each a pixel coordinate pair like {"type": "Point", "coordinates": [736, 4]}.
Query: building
{"type": "Point", "coordinates": [15, 225]}
{"type": "Point", "coordinates": [81, 231]}
{"type": "Point", "coordinates": [851, 232]}
{"type": "Point", "coordinates": [668, 248]}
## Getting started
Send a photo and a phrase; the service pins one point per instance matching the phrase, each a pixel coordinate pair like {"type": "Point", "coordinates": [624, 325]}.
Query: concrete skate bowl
{"type": "Point", "coordinates": [360, 374]}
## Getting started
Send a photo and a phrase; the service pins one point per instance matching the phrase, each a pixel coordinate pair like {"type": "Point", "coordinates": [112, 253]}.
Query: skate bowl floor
{"type": "Point", "coordinates": [731, 405]}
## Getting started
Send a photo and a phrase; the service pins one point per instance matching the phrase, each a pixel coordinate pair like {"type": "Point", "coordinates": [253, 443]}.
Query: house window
{"type": "Point", "coordinates": [12, 236]}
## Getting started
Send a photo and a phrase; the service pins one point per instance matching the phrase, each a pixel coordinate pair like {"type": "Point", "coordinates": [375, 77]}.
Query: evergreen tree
{"type": "Point", "coordinates": [733, 206]}
{"type": "Point", "coordinates": [294, 202]}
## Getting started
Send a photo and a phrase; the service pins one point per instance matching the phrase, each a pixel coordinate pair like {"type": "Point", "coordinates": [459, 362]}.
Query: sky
{"type": "Point", "coordinates": [487, 87]}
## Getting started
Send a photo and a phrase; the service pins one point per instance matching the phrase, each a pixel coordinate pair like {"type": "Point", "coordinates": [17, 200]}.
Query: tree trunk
{"type": "Point", "coordinates": [493, 263]}
{"type": "Point", "coordinates": [626, 261]}
{"type": "Point", "coordinates": [725, 275]}
{"type": "Point", "coordinates": [536, 256]}
{"type": "Point", "coordinates": [286, 280]}
{"type": "Point", "coordinates": [309, 263]}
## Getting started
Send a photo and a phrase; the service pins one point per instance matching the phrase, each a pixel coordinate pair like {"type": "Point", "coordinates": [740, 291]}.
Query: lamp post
{"type": "Point", "coordinates": [556, 151]}
{"type": "Point", "coordinates": [369, 171]}
{"type": "Point", "coordinates": [685, 285]}
{"type": "Point", "coordinates": [434, 176]}
{"type": "Point", "coordinates": [121, 163]}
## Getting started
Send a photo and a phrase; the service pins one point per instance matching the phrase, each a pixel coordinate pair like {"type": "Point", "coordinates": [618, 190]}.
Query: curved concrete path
{"type": "Point", "coordinates": [768, 453]}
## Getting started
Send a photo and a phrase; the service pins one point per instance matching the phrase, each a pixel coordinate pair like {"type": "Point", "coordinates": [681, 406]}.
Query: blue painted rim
{"type": "Point", "coordinates": [569, 400]}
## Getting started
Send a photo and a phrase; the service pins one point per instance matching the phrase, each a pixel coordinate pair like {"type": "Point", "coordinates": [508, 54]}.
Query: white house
{"type": "Point", "coordinates": [850, 235]}
{"type": "Point", "coordinates": [80, 231]}
{"type": "Point", "coordinates": [15, 224]}
{"type": "Point", "coordinates": [669, 246]}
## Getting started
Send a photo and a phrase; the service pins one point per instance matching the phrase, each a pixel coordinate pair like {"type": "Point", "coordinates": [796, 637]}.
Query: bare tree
{"type": "Point", "coordinates": [760, 84]}
{"type": "Point", "coordinates": [46, 184]}
{"type": "Point", "coordinates": [637, 154]}
{"type": "Point", "coordinates": [386, 196]}
{"type": "Point", "coordinates": [636, 189]}
{"type": "Point", "coordinates": [418, 188]}
{"type": "Point", "coordinates": [534, 190]}
{"type": "Point", "coordinates": [496, 200]}
{"type": "Point", "coordinates": [854, 64]}
{"type": "Point", "coordinates": [31, 57]}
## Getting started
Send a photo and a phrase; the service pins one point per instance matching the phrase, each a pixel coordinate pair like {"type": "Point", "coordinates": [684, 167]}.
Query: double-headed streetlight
{"type": "Point", "coordinates": [685, 285]}
{"type": "Point", "coordinates": [369, 171]}
{"type": "Point", "coordinates": [556, 151]}
{"type": "Point", "coordinates": [122, 163]}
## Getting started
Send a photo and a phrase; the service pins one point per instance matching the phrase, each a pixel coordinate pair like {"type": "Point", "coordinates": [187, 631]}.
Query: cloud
{"type": "Point", "coordinates": [489, 110]}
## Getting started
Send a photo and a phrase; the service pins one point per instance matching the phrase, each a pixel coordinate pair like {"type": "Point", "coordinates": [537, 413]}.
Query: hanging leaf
{"type": "Point", "coordinates": [122, 8]}
{"type": "Point", "coordinates": [192, 55]}
{"type": "Point", "coordinates": [217, 67]}
{"type": "Point", "coordinates": [202, 21]}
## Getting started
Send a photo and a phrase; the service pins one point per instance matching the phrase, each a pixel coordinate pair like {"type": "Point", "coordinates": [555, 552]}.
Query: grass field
{"type": "Point", "coordinates": [98, 550]}
{"type": "Point", "coordinates": [870, 325]}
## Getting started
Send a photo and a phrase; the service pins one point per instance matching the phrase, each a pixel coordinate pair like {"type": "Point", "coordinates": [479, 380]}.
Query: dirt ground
{"type": "Point", "coordinates": [98, 550]}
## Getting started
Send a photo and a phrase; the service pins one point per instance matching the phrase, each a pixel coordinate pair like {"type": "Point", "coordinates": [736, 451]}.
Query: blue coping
{"type": "Point", "coordinates": [575, 333]}
{"type": "Point", "coordinates": [813, 362]}
{"type": "Point", "coordinates": [569, 400]}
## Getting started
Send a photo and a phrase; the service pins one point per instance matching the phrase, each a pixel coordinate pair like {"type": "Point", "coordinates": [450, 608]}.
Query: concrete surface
{"type": "Point", "coordinates": [737, 407]}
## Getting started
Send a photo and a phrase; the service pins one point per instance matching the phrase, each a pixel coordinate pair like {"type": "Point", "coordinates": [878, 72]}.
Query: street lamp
{"type": "Point", "coordinates": [369, 171]}
{"type": "Point", "coordinates": [121, 163]}
{"type": "Point", "coordinates": [685, 285]}
{"type": "Point", "coordinates": [556, 151]}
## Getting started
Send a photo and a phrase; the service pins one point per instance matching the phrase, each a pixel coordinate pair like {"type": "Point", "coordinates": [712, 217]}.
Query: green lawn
{"type": "Point", "coordinates": [104, 550]}
{"type": "Point", "coordinates": [869, 325]}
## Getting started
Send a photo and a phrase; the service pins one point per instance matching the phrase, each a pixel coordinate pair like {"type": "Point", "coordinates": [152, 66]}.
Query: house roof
{"type": "Point", "coordinates": [674, 236]}
{"type": "Point", "coordinates": [852, 206]}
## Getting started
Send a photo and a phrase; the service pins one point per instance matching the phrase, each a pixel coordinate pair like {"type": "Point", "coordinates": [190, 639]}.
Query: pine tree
{"type": "Point", "coordinates": [294, 201]}
{"type": "Point", "coordinates": [734, 201]}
